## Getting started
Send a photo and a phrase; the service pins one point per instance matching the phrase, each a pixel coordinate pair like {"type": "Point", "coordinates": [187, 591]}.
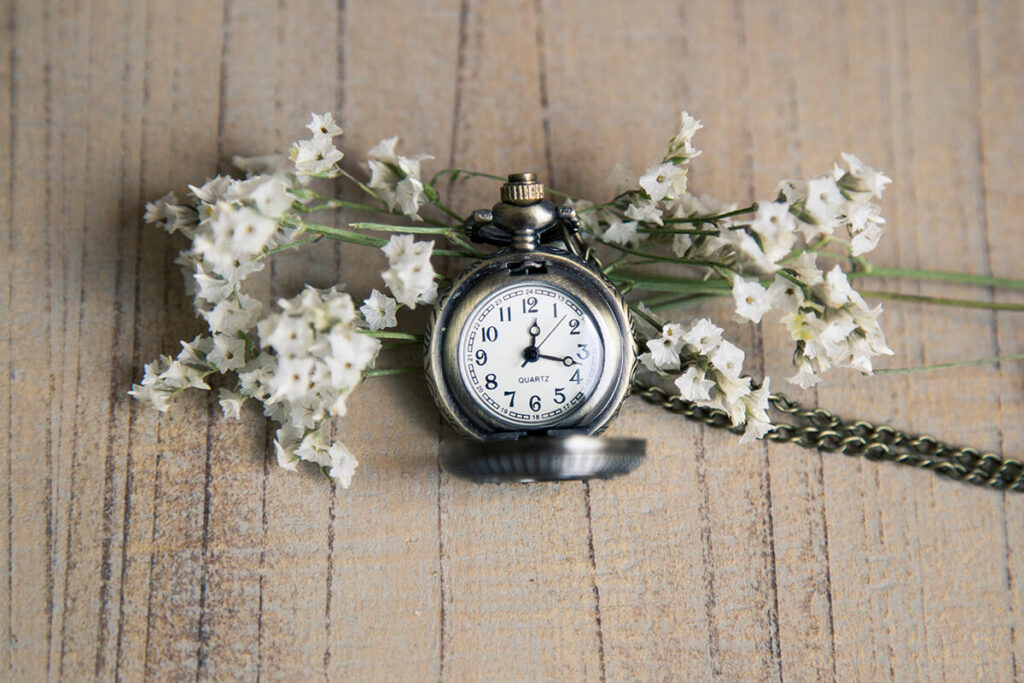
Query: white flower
{"type": "Point", "coordinates": [776, 228]}
{"type": "Point", "coordinates": [379, 311]}
{"type": "Point", "coordinates": [805, 377]}
{"type": "Point", "coordinates": [863, 178]}
{"type": "Point", "coordinates": [233, 314]}
{"type": "Point", "coordinates": [293, 378]}
{"type": "Point", "coordinates": [785, 295]}
{"type": "Point", "coordinates": [693, 385]}
{"type": "Point", "coordinates": [271, 196]}
{"type": "Point", "coordinates": [228, 352]}
{"type": "Point", "coordinates": [645, 211]}
{"type": "Point", "coordinates": [728, 359]}
{"type": "Point", "coordinates": [231, 403]}
{"type": "Point", "coordinates": [680, 145]}
{"type": "Point", "coordinates": [343, 464]}
{"type": "Point", "coordinates": [410, 276]}
{"type": "Point", "coordinates": [289, 336]}
{"type": "Point", "coordinates": [751, 299]}
{"type": "Point", "coordinates": [287, 440]}
{"type": "Point", "coordinates": [409, 196]}
{"type": "Point", "coordinates": [837, 289]}
{"type": "Point", "coordinates": [663, 355]}
{"type": "Point", "coordinates": [664, 181]}
{"type": "Point", "coordinates": [756, 429]}
{"type": "Point", "coordinates": [806, 269]}
{"type": "Point", "coordinates": [703, 336]}
{"type": "Point", "coordinates": [621, 232]}
{"type": "Point", "coordinates": [316, 156]}
{"type": "Point", "coordinates": [323, 124]}
{"type": "Point", "coordinates": [823, 203]}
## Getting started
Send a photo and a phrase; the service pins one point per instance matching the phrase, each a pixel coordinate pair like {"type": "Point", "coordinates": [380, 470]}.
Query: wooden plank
{"type": "Point", "coordinates": [518, 581]}
{"type": "Point", "coordinates": [7, 260]}
{"type": "Point", "coordinates": [890, 608]}
{"type": "Point", "coordinates": [386, 582]}
{"type": "Point", "coordinates": [708, 596]}
{"type": "Point", "coordinates": [30, 581]}
{"type": "Point", "coordinates": [1001, 130]}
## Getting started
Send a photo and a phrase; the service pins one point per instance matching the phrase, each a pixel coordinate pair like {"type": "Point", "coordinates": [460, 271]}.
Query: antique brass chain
{"type": "Point", "coordinates": [819, 429]}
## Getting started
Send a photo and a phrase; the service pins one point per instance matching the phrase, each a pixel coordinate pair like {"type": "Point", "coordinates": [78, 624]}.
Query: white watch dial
{"type": "Point", "coordinates": [531, 354]}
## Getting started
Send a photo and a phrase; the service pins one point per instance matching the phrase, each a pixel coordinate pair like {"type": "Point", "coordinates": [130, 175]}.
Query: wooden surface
{"type": "Point", "coordinates": [170, 547]}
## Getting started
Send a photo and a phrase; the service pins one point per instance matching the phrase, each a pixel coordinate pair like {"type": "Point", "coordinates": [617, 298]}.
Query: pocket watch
{"type": "Point", "coordinates": [530, 353]}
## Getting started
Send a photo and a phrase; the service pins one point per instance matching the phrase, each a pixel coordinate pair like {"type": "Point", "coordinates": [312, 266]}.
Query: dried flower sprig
{"type": "Point", "coordinates": [302, 360]}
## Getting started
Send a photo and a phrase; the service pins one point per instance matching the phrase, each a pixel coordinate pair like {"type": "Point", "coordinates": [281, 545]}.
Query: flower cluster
{"type": "Point", "coordinates": [318, 157]}
{"type": "Point", "coordinates": [713, 375]}
{"type": "Point", "coordinates": [410, 276]}
{"type": "Point", "coordinates": [304, 360]}
{"type": "Point", "coordinates": [662, 187]}
{"type": "Point", "coordinates": [395, 179]}
{"type": "Point", "coordinates": [317, 360]}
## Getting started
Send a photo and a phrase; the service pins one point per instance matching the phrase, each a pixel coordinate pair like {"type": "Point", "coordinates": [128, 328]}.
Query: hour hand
{"type": "Point", "coordinates": [568, 361]}
{"type": "Point", "coordinates": [530, 353]}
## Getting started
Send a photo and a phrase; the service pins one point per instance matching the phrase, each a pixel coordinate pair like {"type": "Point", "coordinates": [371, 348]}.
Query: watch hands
{"type": "Point", "coordinates": [552, 330]}
{"type": "Point", "coordinates": [530, 352]}
{"type": "Point", "coordinates": [567, 360]}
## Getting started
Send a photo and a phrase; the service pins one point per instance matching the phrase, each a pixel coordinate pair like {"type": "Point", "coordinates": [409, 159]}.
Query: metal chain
{"type": "Point", "coordinates": [821, 430]}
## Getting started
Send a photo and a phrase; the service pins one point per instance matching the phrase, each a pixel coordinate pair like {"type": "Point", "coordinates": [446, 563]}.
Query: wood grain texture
{"type": "Point", "coordinates": [138, 545]}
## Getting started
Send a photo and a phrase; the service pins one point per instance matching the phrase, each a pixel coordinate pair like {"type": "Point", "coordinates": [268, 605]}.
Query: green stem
{"type": "Point", "coordinates": [411, 229]}
{"type": "Point", "coordinates": [384, 334]}
{"type": "Point", "coordinates": [945, 366]}
{"type": "Point", "coordinates": [711, 219]}
{"type": "Point", "coordinates": [684, 301]}
{"type": "Point", "coordinates": [943, 301]}
{"type": "Point", "coordinates": [392, 371]}
{"type": "Point", "coordinates": [680, 231]}
{"type": "Point", "coordinates": [939, 275]}
{"type": "Point", "coordinates": [290, 245]}
{"type": "Point", "coordinates": [343, 204]}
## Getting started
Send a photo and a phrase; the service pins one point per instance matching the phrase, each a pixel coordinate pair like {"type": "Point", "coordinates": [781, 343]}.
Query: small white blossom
{"type": "Point", "coordinates": [703, 336]}
{"type": "Point", "coordinates": [231, 403]}
{"type": "Point", "coordinates": [410, 275]}
{"type": "Point", "coordinates": [644, 211]}
{"type": "Point", "coordinates": [228, 352]}
{"type": "Point", "coordinates": [323, 124]}
{"type": "Point", "coordinates": [343, 464]}
{"type": "Point", "coordinates": [751, 299]}
{"type": "Point", "coordinates": [664, 181]}
{"type": "Point", "coordinates": [693, 385]}
{"type": "Point", "coordinates": [862, 178]}
{"type": "Point", "coordinates": [379, 311]}
{"type": "Point", "coordinates": [315, 157]}
{"type": "Point", "coordinates": [621, 232]}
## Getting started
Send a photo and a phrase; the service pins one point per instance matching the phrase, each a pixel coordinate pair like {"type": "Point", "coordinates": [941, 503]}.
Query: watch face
{"type": "Point", "coordinates": [530, 354]}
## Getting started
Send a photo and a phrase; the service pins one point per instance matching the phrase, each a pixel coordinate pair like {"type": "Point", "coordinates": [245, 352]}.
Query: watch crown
{"type": "Point", "coordinates": [522, 189]}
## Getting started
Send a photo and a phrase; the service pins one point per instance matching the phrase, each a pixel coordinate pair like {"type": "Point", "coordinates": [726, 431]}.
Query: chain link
{"type": "Point", "coordinates": [819, 429]}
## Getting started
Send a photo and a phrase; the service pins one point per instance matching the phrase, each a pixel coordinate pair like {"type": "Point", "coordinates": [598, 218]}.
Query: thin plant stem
{"type": "Point", "coordinates": [384, 334]}
{"type": "Point", "coordinates": [383, 372]}
{"type": "Point", "coordinates": [946, 366]}
{"type": "Point", "coordinates": [291, 245]}
{"type": "Point", "coordinates": [944, 301]}
{"type": "Point", "coordinates": [938, 276]}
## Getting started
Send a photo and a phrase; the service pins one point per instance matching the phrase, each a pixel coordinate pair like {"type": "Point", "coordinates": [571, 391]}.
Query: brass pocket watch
{"type": "Point", "coordinates": [530, 353]}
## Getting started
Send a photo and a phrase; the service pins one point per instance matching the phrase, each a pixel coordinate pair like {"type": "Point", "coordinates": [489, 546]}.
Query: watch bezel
{"type": "Point", "coordinates": [477, 283]}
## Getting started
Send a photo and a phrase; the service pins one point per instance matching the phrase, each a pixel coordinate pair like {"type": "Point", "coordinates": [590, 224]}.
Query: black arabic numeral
{"type": "Point", "coordinates": [490, 333]}
{"type": "Point", "coordinates": [582, 354]}
{"type": "Point", "coordinates": [576, 377]}
{"type": "Point", "coordinates": [481, 357]}
{"type": "Point", "coordinates": [535, 403]}
{"type": "Point", "coordinates": [560, 394]}
{"type": "Point", "coordinates": [574, 326]}
{"type": "Point", "coordinates": [511, 398]}
{"type": "Point", "coordinates": [491, 381]}
{"type": "Point", "coordinates": [505, 314]}
{"type": "Point", "coordinates": [530, 305]}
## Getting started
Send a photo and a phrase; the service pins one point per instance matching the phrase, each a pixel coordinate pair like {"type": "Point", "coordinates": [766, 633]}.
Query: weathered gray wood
{"type": "Point", "coordinates": [147, 546]}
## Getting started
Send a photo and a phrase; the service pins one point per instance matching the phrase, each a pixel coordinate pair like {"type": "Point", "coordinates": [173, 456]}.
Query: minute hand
{"type": "Point", "coordinates": [552, 331]}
